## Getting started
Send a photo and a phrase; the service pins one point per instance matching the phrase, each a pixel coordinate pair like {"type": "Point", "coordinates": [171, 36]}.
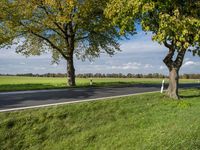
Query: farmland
{"type": "Point", "coordinates": [16, 83]}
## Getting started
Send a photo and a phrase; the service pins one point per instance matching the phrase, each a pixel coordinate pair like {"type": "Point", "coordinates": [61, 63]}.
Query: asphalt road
{"type": "Point", "coordinates": [10, 100]}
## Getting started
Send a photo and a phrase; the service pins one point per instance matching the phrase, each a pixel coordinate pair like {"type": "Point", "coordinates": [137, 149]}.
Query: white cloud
{"type": "Point", "coordinates": [191, 63]}
{"type": "Point", "coordinates": [148, 66]}
{"type": "Point", "coordinates": [22, 63]}
{"type": "Point", "coordinates": [133, 65]}
{"type": "Point", "coordinates": [130, 65]}
{"type": "Point", "coordinates": [162, 67]}
{"type": "Point", "coordinates": [10, 53]}
{"type": "Point", "coordinates": [141, 46]}
{"type": "Point", "coordinates": [55, 65]}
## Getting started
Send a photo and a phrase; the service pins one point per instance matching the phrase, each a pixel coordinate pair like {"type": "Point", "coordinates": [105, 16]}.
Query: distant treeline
{"type": "Point", "coordinates": [102, 75]}
{"type": "Point", "coordinates": [120, 75]}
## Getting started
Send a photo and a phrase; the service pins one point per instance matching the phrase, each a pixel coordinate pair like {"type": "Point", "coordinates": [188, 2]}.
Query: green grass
{"type": "Point", "coordinates": [149, 121]}
{"type": "Point", "coordinates": [13, 83]}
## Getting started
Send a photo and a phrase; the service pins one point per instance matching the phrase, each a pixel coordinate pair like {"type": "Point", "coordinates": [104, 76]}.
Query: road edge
{"type": "Point", "coordinates": [73, 102]}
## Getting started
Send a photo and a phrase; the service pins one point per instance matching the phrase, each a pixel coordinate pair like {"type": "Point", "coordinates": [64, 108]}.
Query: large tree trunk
{"type": "Point", "coordinates": [172, 90]}
{"type": "Point", "coordinates": [71, 72]}
{"type": "Point", "coordinates": [70, 52]}
{"type": "Point", "coordinates": [174, 67]}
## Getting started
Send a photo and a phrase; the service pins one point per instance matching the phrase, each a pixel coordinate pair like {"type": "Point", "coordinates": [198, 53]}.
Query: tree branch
{"type": "Point", "coordinates": [168, 45]}
{"type": "Point", "coordinates": [51, 43]}
{"type": "Point", "coordinates": [50, 28]}
{"type": "Point", "coordinates": [179, 58]}
{"type": "Point", "coordinates": [47, 13]}
{"type": "Point", "coordinates": [46, 39]}
{"type": "Point", "coordinates": [168, 59]}
{"type": "Point", "coordinates": [81, 38]}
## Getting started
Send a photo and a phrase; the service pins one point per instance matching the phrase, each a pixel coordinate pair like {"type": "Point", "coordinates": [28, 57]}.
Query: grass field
{"type": "Point", "coordinates": [13, 83]}
{"type": "Point", "coordinates": [149, 121]}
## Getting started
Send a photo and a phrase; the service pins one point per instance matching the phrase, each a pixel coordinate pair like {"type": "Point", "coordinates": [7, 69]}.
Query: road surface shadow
{"type": "Point", "coordinates": [25, 87]}
{"type": "Point", "coordinates": [13, 99]}
{"type": "Point", "coordinates": [40, 98]}
{"type": "Point", "coordinates": [73, 94]}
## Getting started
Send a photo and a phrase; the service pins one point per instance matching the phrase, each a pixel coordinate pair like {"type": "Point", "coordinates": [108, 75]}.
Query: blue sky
{"type": "Point", "coordinates": [138, 55]}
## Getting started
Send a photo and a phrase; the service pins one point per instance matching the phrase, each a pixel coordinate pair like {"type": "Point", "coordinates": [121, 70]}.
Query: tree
{"type": "Point", "coordinates": [63, 27]}
{"type": "Point", "coordinates": [174, 23]}
{"type": "Point", "coordinates": [5, 35]}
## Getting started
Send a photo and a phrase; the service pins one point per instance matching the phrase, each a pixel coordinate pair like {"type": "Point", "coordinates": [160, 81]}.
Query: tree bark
{"type": "Point", "coordinates": [71, 72]}
{"type": "Point", "coordinates": [172, 90]}
{"type": "Point", "coordinates": [69, 33]}
{"type": "Point", "coordinates": [174, 67]}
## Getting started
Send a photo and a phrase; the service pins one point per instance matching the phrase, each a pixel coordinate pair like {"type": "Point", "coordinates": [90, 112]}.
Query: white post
{"type": "Point", "coordinates": [91, 82]}
{"type": "Point", "coordinates": [162, 87]}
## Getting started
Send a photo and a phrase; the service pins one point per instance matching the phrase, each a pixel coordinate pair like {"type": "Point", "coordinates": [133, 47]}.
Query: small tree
{"type": "Point", "coordinates": [174, 23]}
{"type": "Point", "coordinates": [63, 27]}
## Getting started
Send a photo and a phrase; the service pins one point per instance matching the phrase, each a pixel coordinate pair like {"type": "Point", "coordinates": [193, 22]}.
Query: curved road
{"type": "Point", "coordinates": [22, 99]}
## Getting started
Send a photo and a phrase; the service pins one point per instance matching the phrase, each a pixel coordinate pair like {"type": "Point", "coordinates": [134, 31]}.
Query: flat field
{"type": "Point", "coordinates": [149, 121]}
{"type": "Point", "coordinates": [14, 83]}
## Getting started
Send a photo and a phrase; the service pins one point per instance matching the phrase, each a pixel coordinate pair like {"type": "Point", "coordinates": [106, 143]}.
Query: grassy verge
{"type": "Point", "coordinates": [149, 121]}
{"type": "Point", "coordinates": [36, 83]}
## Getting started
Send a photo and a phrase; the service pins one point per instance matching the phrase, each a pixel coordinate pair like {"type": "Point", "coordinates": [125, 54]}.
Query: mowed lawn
{"type": "Point", "coordinates": [13, 83]}
{"type": "Point", "coordinates": [149, 121]}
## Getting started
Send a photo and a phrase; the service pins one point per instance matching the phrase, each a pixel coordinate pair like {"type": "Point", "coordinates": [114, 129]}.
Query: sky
{"type": "Point", "coordinates": [139, 55]}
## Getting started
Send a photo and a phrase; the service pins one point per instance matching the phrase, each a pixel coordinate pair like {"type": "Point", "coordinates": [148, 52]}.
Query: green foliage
{"type": "Point", "coordinates": [5, 34]}
{"type": "Point", "coordinates": [62, 27]}
{"type": "Point", "coordinates": [139, 122]}
{"type": "Point", "coordinates": [171, 21]}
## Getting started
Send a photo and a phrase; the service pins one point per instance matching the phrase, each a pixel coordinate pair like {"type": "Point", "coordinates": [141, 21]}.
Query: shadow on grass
{"type": "Point", "coordinates": [24, 87]}
{"type": "Point", "coordinates": [46, 86]}
{"type": "Point", "coordinates": [39, 86]}
{"type": "Point", "coordinates": [191, 96]}
{"type": "Point", "coordinates": [197, 95]}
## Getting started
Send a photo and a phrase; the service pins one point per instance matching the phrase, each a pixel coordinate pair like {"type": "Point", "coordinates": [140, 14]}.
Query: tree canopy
{"type": "Point", "coordinates": [64, 27]}
{"type": "Point", "coordinates": [51, 22]}
{"type": "Point", "coordinates": [170, 20]}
